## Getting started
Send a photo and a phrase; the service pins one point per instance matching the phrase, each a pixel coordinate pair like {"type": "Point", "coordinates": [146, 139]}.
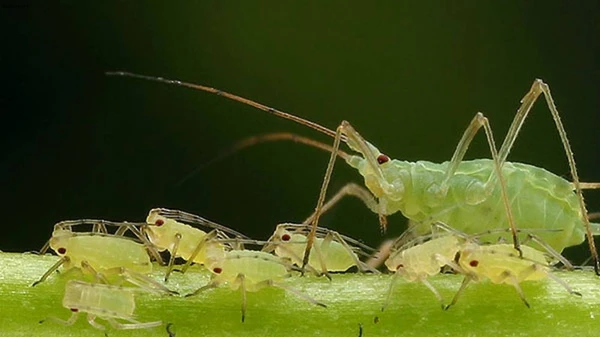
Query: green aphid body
{"type": "Point", "coordinates": [539, 199]}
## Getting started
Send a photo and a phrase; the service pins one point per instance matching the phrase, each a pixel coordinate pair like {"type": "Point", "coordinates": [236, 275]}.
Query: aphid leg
{"type": "Point", "coordinates": [176, 242]}
{"type": "Point", "coordinates": [382, 253]}
{"type": "Point", "coordinates": [476, 124]}
{"type": "Point", "coordinates": [209, 236]}
{"type": "Point", "coordinates": [92, 320]}
{"type": "Point", "coordinates": [141, 280]}
{"type": "Point", "coordinates": [152, 250]}
{"type": "Point", "coordinates": [464, 284]}
{"type": "Point", "coordinates": [70, 321]}
{"type": "Point", "coordinates": [322, 193]}
{"type": "Point", "coordinates": [563, 283]}
{"type": "Point", "coordinates": [133, 325]}
{"type": "Point", "coordinates": [51, 270]}
{"type": "Point", "coordinates": [551, 251]}
{"type": "Point", "coordinates": [318, 251]}
{"type": "Point", "coordinates": [362, 267]}
{"type": "Point", "coordinates": [527, 102]}
{"type": "Point", "coordinates": [241, 279]}
{"type": "Point", "coordinates": [390, 289]}
{"type": "Point", "coordinates": [514, 281]}
{"type": "Point", "coordinates": [435, 292]}
{"type": "Point", "coordinates": [293, 291]}
{"type": "Point", "coordinates": [208, 286]}
{"type": "Point", "coordinates": [350, 189]}
{"type": "Point", "coordinates": [99, 277]}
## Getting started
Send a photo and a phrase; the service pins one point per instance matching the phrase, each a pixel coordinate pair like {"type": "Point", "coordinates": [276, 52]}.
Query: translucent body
{"type": "Point", "coordinates": [493, 262]}
{"type": "Point", "coordinates": [422, 261]}
{"type": "Point", "coordinates": [541, 199]}
{"type": "Point", "coordinates": [104, 301]}
{"type": "Point", "coordinates": [100, 251]}
{"type": "Point", "coordinates": [255, 266]}
{"type": "Point", "coordinates": [250, 270]}
{"type": "Point", "coordinates": [332, 251]}
{"type": "Point", "coordinates": [164, 238]}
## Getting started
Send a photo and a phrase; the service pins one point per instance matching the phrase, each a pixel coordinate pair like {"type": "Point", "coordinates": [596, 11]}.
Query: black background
{"type": "Point", "coordinates": [408, 76]}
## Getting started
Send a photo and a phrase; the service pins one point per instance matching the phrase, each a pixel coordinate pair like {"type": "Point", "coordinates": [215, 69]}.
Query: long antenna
{"type": "Point", "coordinates": [236, 98]}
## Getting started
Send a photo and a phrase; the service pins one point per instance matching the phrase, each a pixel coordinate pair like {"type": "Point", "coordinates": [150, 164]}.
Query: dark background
{"type": "Point", "coordinates": [409, 77]}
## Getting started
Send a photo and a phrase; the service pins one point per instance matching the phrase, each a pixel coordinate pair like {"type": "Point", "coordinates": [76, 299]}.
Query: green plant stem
{"type": "Point", "coordinates": [485, 309]}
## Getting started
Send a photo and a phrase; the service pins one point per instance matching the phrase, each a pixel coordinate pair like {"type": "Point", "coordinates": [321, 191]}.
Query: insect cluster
{"type": "Point", "coordinates": [461, 215]}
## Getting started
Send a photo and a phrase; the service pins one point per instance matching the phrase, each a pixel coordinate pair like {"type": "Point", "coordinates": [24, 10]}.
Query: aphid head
{"type": "Point", "coordinates": [59, 241]}
{"type": "Point", "coordinates": [281, 234]}
{"type": "Point", "coordinates": [158, 229]}
{"type": "Point", "coordinates": [395, 262]}
{"type": "Point", "coordinates": [381, 173]}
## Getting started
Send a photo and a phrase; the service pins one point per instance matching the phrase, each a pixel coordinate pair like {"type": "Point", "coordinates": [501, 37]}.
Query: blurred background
{"type": "Point", "coordinates": [408, 76]}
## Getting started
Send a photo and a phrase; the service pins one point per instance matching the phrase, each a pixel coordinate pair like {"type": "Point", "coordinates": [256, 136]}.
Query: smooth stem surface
{"type": "Point", "coordinates": [485, 309]}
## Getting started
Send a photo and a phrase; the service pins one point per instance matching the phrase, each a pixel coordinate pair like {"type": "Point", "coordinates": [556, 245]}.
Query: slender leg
{"type": "Point", "coordinates": [51, 270]}
{"type": "Point", "coordinates": [209, 236]}
{"type": "Point", "coordinates": [92, 320]}
{"type": "Point", "coordinates": [141, 280]}
{"type": "Point", "coordinates": [210, 285]}
{"type": "Point", "coordinates": [435, 292]}
{"type": "Point", "coordinates": [295, 292]}
{"type": "Point", "coordinates": [176, 242]}
{"type": "Point", "coordinates": [318, 208]}
{"type": "Point", "coordinates": [241, 279]}
{"type": "Point", "coordinates": [133, 325]}
{"type": "Point", "coordinates": [390, 290]}
{"type": "Point", "coordinates": [476, 124]}
{"type": "Point", "coordinates": [464, 284]}
{"type": "Point", "coordinates": [538, 88]}
{"type": "Point", "coordinates": [70, 321]}
{"type": "Point", "coordinates": [350, 189]}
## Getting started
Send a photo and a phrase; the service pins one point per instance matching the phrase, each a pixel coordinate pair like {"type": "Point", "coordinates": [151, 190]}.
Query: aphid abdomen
{"type": "Point", "coordinates": [336, 256]}
{"type": "Point", "coordinates": [103, 300]}
{"type": "Point", "coordinates": [539, 200]}
{"type": "Point", "coordinates": [256, 267]}
{"type": "Point", "coordinates": [107, 252]}
{"type": "Point", "coordinates": [496, 261]}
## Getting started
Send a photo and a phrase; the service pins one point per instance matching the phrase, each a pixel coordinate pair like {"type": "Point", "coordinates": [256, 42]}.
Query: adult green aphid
{"type": "Point", "coordinates": [467, 195]}
{"type": "Point", "coordinates": [104, 301]}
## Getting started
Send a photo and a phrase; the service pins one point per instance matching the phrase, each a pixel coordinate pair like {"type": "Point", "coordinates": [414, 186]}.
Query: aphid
{"type": "Point", "coordinates": [104, 301]}
{"type": "Point", "coordinates": [501, 263]}
{"type": "Point", "coordinates": [102, 254]}
{"type": "Point", "coordinates": [331, 251]}
{"type": "Point", "coordinates": [250, 270]}
{"type": "Point", "coordinates": [466, 195]}
{"type": "Point", "coordinates": [423, 257]}
{"type": "Point", "coordinates": [169, 230]}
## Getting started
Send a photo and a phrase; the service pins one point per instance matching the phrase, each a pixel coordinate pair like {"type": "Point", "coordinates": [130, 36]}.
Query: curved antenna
{"type": "Point", "coordinates": [231, 96]}
{"type": "Point", "coordinates": [258, 139]}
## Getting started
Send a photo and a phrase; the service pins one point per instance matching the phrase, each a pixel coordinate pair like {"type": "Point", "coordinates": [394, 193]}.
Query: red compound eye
{"type": "Point", "coordinates": [61, 250]}
{"type": "Point", "coordinates": [474, 263]}
{"type": "Point", "coordinates": [382, 158]}
{"type": "Point", "coordinates": [74, 309]}
{"type": "Point", "coordinates": [217, 270]}
{"type": "Point", "coordinates": [159, 222]}
{"type": "Point", "coordinates": [286, 237]}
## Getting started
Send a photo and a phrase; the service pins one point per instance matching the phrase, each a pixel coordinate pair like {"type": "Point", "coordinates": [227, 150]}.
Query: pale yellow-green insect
{"type": "Point", "coordinates": [107, 302]}
{"type": "Point", "coordinates": [332, 251]}
{"type": "Point", "coordinates": [172, 230]}
{"type": "Point", "coordinates": [102, 254]}
{"type": "Point", "coordinates": [501, 263]}
{"type": "Point", "coordinates": [250, 270]}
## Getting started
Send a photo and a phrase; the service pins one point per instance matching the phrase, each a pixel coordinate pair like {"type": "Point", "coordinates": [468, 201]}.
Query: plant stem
{"type": "Point", "coordinates": [485, 309]}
